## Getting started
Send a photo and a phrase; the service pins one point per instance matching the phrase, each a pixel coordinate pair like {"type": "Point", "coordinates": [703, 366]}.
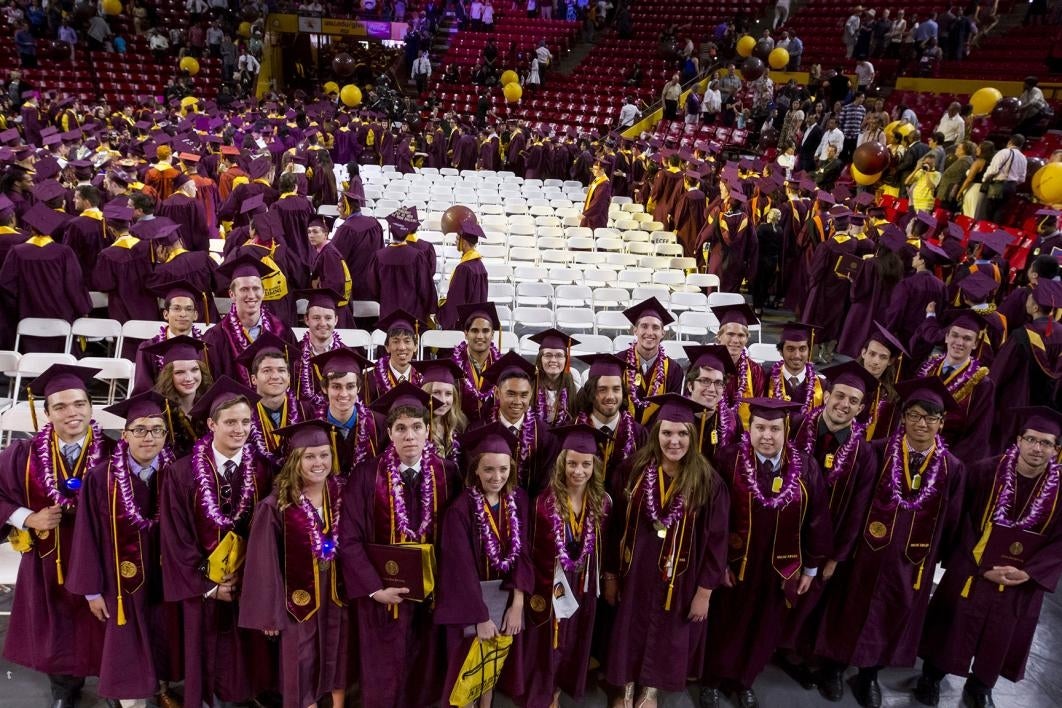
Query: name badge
{"type": "Point", "coordinates": [829, 461]}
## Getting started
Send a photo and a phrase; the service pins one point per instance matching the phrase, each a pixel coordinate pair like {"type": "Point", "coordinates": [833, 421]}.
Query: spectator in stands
{"type": "Point", "coordinates": [864, 72]}
{"type": "Point", "coordinates": [1033, 105]}
{"type": "Point", "coordinates": [670, 96]}
{"type": "Point", "coordinates": [923, 183]}
{"type": "Point", "coordinates": [544, 56]}
{"type": "Point", "coordinates": [532, 8]}
{"type": "Point", "coordinates": [214, 35]}
{"type": "Point", "coordinates": [118, 43]}
{"type": "Point", "coordinates": [1007, 171]}
{"type": "Point", "coordinates": [829, 169]}
{"type": "Point", "coordinates": [879, 33]}
{"type": "Point", "coordinates": [729, 83]}
{"type": "Point", "coordinates": [159, 45]}
{"type": "Point", "coordinates": [936, 148]}
{"type": "Point", "coordinates": [796, 52]}
{"type": "Point", "coordinates": [196, 40]}
{"type": "Point", "coordinates": [141, 23]}
{"type": "Point", "coordinates": [452, 74]}
{"type": "Point", "coordinates": [26, 44]}
{"type": "Point", "coordinates": [196, 9]}
{"type": "Point", "coordinates": [228, 58]}
{"type": "Point", "coordinates": [475, 15]}
{"type": "Point", "coordinates": [781, 13]}
{"type": "Point", "coordinates": [421, 71]}
{"type": "Point", "coordinates": [247, 64]}
{"type": "Point", "coordinates": [929, 62]}
{"type": "Point", "coordinates": [634, 77]}
{"type": "Point", "coordinates": [546, 9]}
{"type": "Point", "coordinates": [488, 16]}
{"type": "Point", "coordinates": [711, 103]}
{"type": "Point", "coordinates": [927, 30]}
{"type": "Point", "coordinates": [850, 31]}
{"type": "Point", "coordinates": [534, 73]}
{"type": "Point", "coordinates": [68, 36]}
{"type": "Point", "coordinates": [872, 131]}
{"type": "Point", "coordinates": [954, 174]}
{"type": "Point", "coordinates": [628, 114]}
{"type": "Point", "coordinates": [864, 35]}
{"type": "Point", "coordinates": [951, 125]}
{"type": "Point", "coordinates": [832, 136]}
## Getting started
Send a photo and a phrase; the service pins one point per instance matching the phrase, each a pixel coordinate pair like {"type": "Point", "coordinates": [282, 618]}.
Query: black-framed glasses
{"type": "Point", "coordinates": [925, 418]}
{"type": "Point", "coordinates": [1038, 442]}
{"type": "Point", "coordinates": [142, 432]}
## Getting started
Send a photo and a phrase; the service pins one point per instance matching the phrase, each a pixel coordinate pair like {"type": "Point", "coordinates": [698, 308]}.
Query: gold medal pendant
{"type": "Point", "coordinates": [829, 461]}
{"type": "Point", "coordinates": [916, 482]}
{"type": "Point", "coordinates": [715, 437]}
{"type": "Point", "coordinates": [661, 530]}
{"type": "Point", "coordinates": [776, 485]}
{"type": "Point", "coordinates": [324, 564]}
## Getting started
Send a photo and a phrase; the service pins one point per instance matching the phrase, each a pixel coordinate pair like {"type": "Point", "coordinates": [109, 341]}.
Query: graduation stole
{"type": "Point", "coordinates": [39, 241]}
{"type": "Point", "coordinates": [623, 434]}
{"type": "Point", "coordinates": [126, 241]}
{"type": "Point", "coordinates": [790, 510]}
{"type": "Point", "coordinates": [470, 255]}
{"type": "Point", "coordinates": [1039, 351]}
{"type": "Point", "coordinates": [385, 378]}
{"type": "Point", "coordinates": [721, 432]}
{"type": "Point", "coordinates": [239, 338]}
{"type": "Point", "coordinates": [837, 465]}
{"type": "Point", "coordinates": [386, 527]}
{"type": "Point", "coordinates": [210, 523]}
{"type": "Point", "coordinates": [309, 547]}
{"type": "Point", "coordinates": [274, 285]}
{"type": "Point", "coordinates": [8, 230]}
{"type": "Point", "coordinates": [289, 415]}
{"type": "Point", "coordinates": [724, 227]}
{"type": "Point", "coordinates": [962, 381]}
{"type": "Point", "coordinates": [814, 395]}
{"type": "Point", "coordinates": [653, 382]}
{"type": "Point", "coordinates": [875, 411]}
{"type": "Point", "coordinates": [598, 181]}
{"type": "Point", "coordinates": [761, 204]}
{"type": "Point", "coordinates": [743, 388]}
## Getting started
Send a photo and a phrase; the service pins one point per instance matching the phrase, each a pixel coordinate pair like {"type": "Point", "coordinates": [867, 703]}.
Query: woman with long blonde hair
{"type": "Point", "coordinates": [291, 555]}
{"type": "Point", "coordinates": [670, 522]}
{"type": "Point", "coordinates": [442, 381]}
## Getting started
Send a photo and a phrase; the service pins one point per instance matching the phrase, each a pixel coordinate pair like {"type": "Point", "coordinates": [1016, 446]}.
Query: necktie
{"type": "Point", "coordinates": [765, 469]}
{"type": "Point", "coordinates": [401, 379]}
{"type": "Point", "coordinates": [606, 430]}
{"type": "Point", "coordinates": [146, 474]}
{"type": "Point", "coordinates": [946, 371]}
{"type": "Point", "coordinates": [514, 430]}
{"type": "Point", "coordinates": [409, 475]}
{"type": "Point", "coordinates": [230, 470]}
{"type": "Point", "coordinates": [71, 451]}
{"type": "Point", "coordinates": [793, 382]}
{"type": "Point", "coordinates": [915, 460]}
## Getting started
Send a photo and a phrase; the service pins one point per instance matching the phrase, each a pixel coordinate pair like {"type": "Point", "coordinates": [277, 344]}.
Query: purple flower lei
{"type": "Point", "coordinates": [123, 486]}
{"type": "Point", "coordinates": [491, 541]}
{"type": "Point", "coordinates": [805, 442]}
{"type": "Point", "coordinates": [540, 409]}
{"type": "Point", "coordinates": [238, 337]}
{"type": "Point", "coordinates": [652, 508]}
{"type": "Point", "coordinates": [427, 496]}
{"type": "Point", "coordinates": [742, 377]}
{"type": "Point", "coordinates": [626, 421]}
{"type": "Point", "coordinates": [206, 483]}
{"type": "Point", "coordinates": [790, 482]}
{"type": "Point", "coordinates": [1037, 511]}
{"type": "Point", "coordinates": [778, 386]}
{"type": "Point", "coordinates": [933, 365]}
{"type": "Point", "coordinates": [726, 421]}
{"type": "Point", "coordinates": [568, 563]}
{"type": "Point", "coordinates": [42, 463]}
{"type": "Point", "coordinates": [463, 360]}
{"type": "Point", "coordinates": [361, 442]}
{"type": "Point", "coordinates": [658, 376]}
{"type": "Point", "coordinates": [930, 480]}
{"type": "Point", "coordinates": [383, 375]}
{"type": "Point", "coordinates": [323, 548]}
{"type": "Point", "coordinates": [527, 436]}
{"type": "Point", "coordinates": [306, 388]}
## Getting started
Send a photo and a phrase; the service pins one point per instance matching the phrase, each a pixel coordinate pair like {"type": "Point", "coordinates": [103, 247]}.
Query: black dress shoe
{"type": "Point", "coordinates": [927, 691]}
{"type": "Point", "coordinates": [746, 698]}
{"type": "Point", "coordinates": [709, 698]}
{"type": "Point", "coordinates": [868, 693]}
{"type": "Point", "coordinates": [977, 700]}
{"type": "Point", "coordinates": [831, 684]}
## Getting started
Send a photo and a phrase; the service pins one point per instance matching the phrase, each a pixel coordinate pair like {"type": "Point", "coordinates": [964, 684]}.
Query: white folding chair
{"type": "Point", "coordinates": [573, 296]}
{"type": "Point", "coordinates": [672, 250]}
{"type": "Point", "coordinates": [702, 281]}
{"type": "Point", "coordinates": [113, 371]}
{"type": "Point", "coordinates": [501, 293]}
{"type": "Point", "coordinates": [718, 299]}
{"type": "Point", "coordinates": [611, 321]}
{"type": "Point", "coordinates": [575, 319]}
{"type": "Point", "coordinates": [529, 274]}
{"type": "Point", "coordinates": [535, 318]}
{"type": "Point", "coordinates": [365, 308]}
{"type": "Point", "coordinates": [592, 344]}
{"type": "Point", "coordinates": [613, 245]}
{"type": "Point", "coordinates": [762, 353]}
{"type": "Point", "coordinates": [644, 292]}
{"type": "Point", "coordinates": [559, 255]}
{"type": "Point", "coordinates": [32, 365]}
{"type": "Point", "coordinates": [694, 326]}
{"type": "Point", "coordinates": [529, 255]}
{"type": "Point", "coordinates": [670, 278]}
{"type": "Point", "coordinates": [50, 327]}
{"type": "Point", "coordinates": [635, 276]}
{"type": "Point", "coordinates": [681, 300]}
{"type": "Point", "coordinates": [357, 339]}
{"type": "Point", "coordinates": [610, 298]}
{"type": "Point", "coordinates": [95, 329]}
{"type": "Point", "coordinates": [533, 294]}
{"type": "Point", "coordinates": [440, 339]}
{"type": "Point", "coordinates": [598, 277]}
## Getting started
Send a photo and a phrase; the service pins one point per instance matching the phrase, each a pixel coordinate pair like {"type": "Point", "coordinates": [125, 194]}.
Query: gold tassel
{"type": "Point", "coordinates": [966, 588]}
{"type": "Point", "coordinates": [918, 580]}
{"type": "Point", "coordinates": [670, 589]}
{"type": "Point", "coordinates": [121, 609]}
{"type": "Point", "coordinates": [556, 633]}
{"type": "Point", "coordinates": [33, 409]}
{"type": "Point", "coordinates": [58, 560]}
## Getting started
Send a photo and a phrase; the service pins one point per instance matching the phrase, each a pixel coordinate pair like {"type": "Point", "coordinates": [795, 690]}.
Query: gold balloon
{"type": "Point", "coordinates": [512, 92]}
{"type": "Point", "coordinates": [862, 179]}
{"type": "Point", "coordinates": [509, 77]}
{"type": "Point", "coordinates": [745, 45]}
{"type": "Point", "coordinates": [778, 58]}
{"type": "Point", "coordinates": [984, 100]}
{"type": "Point", "coordinates": [244, 30]}
{"type": "Point", "coordinates": [331, 87]}
{"type": "Point", "coordinates": [190, 65]}
{"type": "Point", "coordinates": [1047, 183]}
{"type": "Point", "coordinates": [350, 95]}
{"type": "Point", "coordinates": [112, 7]}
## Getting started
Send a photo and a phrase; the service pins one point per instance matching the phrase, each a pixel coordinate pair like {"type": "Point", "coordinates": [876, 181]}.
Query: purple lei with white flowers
{"type": "Point", "coordinates": [205, 478]}
{"type": "Point", "coordinates": [307, 388]}
{"type": "Point", "coordinates": [930, 480]}
{"type": "Point", "coordinates": [778, 385]}
{"type": "Point", "coordinates": [238, 337]}
{"type": "Point", "coordinates": [492, 542]}
{"type": "Point", "coordinates": [427, 496]}
{"type": "Point", "coordinates": [540, 409]}
{"type": "Point", "coordinates": [806, 438]}
{"type": "Point", "coordinates": [790, 482]}
{"type": "Point", "coordinates": [463, 360]}
{"type": "Point", "coordinates": [654, 388]}
{"type": "Point", "coordinates": [1038, 511]}
{"type": "Point", "coordinates": [652, 506]}
{"type": "Point", "coordinates": [124, 488]}
{"type": "Point", "coordinates": [568, 563]}
{"type": "Point", "coordinates": [45, 471]}
{"type": "Point", "coordinates": [382, 372]}
{"type": "Point", "coordinates": [933, 365]}
{"type": "Point", "coordinates": [323, 547]}
{"type": "Point", "coordinates": [627, 421]}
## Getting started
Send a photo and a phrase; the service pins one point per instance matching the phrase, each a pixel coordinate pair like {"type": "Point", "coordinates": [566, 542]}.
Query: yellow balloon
{"type": "Point", "coordinates": [245, 29]}
{"type": "Point", "coordinates": [509, 77]}
{"type": "Point", "coordinates": [331, 87]}
{"type": "Point", "coordinates": [1047, 183]}
{"type": "Point", "coordinates": [112, 7]}
{"type": "Point", "coordinates": [778, 58]}
{"type": "Point", "coordinates": [512, 92]}
{"type": "Point", "coordinates": [190, 64]}
{"type": "Point", "coordinates": [745, 45]}
{"type": "Point", "coordinates": [984, 100]}
{"type": "Point", "coordinates": [350, 95]}
{"type": "Point", "coordinates": [189, 101]}
{"type": "Point", "coordinates": [862, 179]}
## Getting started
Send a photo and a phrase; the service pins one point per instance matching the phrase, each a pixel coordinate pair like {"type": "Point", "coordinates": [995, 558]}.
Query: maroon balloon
{"type": "Point", "coordinates": [762, 50]}
{"type": "Point", "coordinates": [752, 68]}
{"type": "Point", "coordinates": [1005, 114]}
{"type": "Point", "coordinates": [871, 157]}
{"type": "Point", "coordinates": [85, 11]}
{"type": "Point", "coordinates": [456, 215]}
{"type": "Point", "coordinates": [343, 64]}
{"type": "Point", "coordinates": [1033, 165]}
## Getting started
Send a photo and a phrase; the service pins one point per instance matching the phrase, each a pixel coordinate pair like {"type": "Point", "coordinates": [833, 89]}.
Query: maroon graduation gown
{"type": "Point", "coordinates": [463, 565]}
{"type": "Point", "coordinates": [690, 211]}
{"type": "Point", "coordinates": [989, 625]}
{"type": "Point", "coordinates": [400, 652]}
{"type": "Point", "coordinates": [147, 648]}
{"type": "Point", "coordinates": [122, 271]}
{"type": "Point", "coordinates": [653, 642]}
{"type": "Point", "coordinates": [313, 653]}
{"type": "Point", "coordinates": [188, 213]}
{"type": "Point", "coordinates": [295, 212]}
{"type": "Point", "coordinates": [734, 248]}
{"type": "Point", "coordinates": [465, 152]}
{"type": "Point", "coordinates": [219, 658]}
{"type": "Point", "coordinates": [907, 306]}
{"type": "Point", "coordinates": [198, 269]}
{"type": "Point", "coordinates": [667, 187]}
{"type": "Point", "coordinates": [357, 240]}
{"type": "Point", "coordinates": [535, 469]}
{"type": "Point", "coordinates": [750, 618]}
{"type": "Point", "coordinates": [595, 208]}
{"type": "Point", "coordinates": [1026, 369]}
{"type": "Point", "coordinates": [287, 263]}
{"type": "Point", "coordinates": [869, 296]}
{"type": "Point", "coordinates": [427, 251]}
{"type": "Point", "coordinates": [223, 350]}
{"type": "Point", "coordinates": [329, 271]}
{"type": "Point", "coordinates": [399, 278]}
{"type": "Point", "coordinates": [874, 616]}
{"type": "Point", "coordinates": [827, 300]}
{"type": "Point", "coordinates": [468, 284]}
{"type": "Point", "coordinates": [968, 429]}
{"type": "Point", "coordinates": [230, 210]}
{"type": "Point", "coordinates": [51, 629]}
{"type": "Point", "coordinates": [87, 237]}
{"type": "Point", "coordinates": [672, 380]}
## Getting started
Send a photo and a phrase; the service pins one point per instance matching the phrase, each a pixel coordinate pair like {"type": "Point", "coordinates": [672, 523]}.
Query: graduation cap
{"type": "Point", "coordinates": [6, 204]}
{"type": "Point", "coordinates": [179, 348]}
{"type": "Point", "coordinates": [43, 219]}
{"type": "Point", "coordinates": [965, 318]}
{"type": "Point", "coordinates": [62, 377]}
{"type": "Point", "coordinates": [308, 433]}
{"type": "Point", "coordinates": [224, 391]}
{"type": "Point", "coordinates": [158, 229]}
{"type": "Point", "coordinates": [770, 408]}
{"type": "Point", "coordinates": [177, 288]}
{"type": "Point", "coordinates": [580, 437]}
{"type": "Point", "coordinates": [117, 211]}
{"type": "Point", "coordinates": [604, 365]}
{"type": "Point", "coordinates": [267, 225]}
{"type": "Point", "coordinates": [1041, 419]}
{"type": "Point", "coordinates": [484, 310]}
{"type": "Point", "coordinates": [510, 365]}
{"type": "Point", "coordinates": [841, 192]}
{"type": "Point", "coordinates": [864, 199]}
{"type": "Point", "coordinates": [953, 230]}
{"type": "Point", "coordinates": [80, 164]}
{"type": "Point", "coordinates": [928, 389]}
{"type": "Point", "coordinates": [47, 168]}
{"type": "Point", "coordinates": [470, 231]}
{"type": "Point", "coordinates": [824, 197]}
{"type": "Point", "coordinates": [148, 404]}
{"type": "Point", "coordinates": [977, 287]}
{"type": "Point", "coordinates": [259, 167]}
{"type": "Point", "coordinates": [886, 339]}
{"type": "Point", "coordinates": [926, 218]}
{"type": "Point", "coordinates": [50, 140]}
{"type": "Point", "coordinates": [402, 221]}
{"type": "Point", "coordinates": [711, 356]}
{"type": "Point", "coordinates": [188, 157]}
{"type": "Point", "coordinates": [251, 203]}
{"type": "Point", "coordinates": [244, 266]}
{"type": "Point", "coordinates": [933, 254]}
{"type": "Point", "coordinates": [851, 373]}
{"type": "Point", "coordinates": [325, 298]}
{"type": "Point", "coordinates": [399, 320]}
{"type": "Point", "coordinates": [553, 339]}
{"type": "Point", "coordinates": [995, 241]}
{"type": "Point", "coordinates": [675, 408]}
{"type": "Point", "coordinates": [355, 194]}
{"type": "Point", "coordinates": [1048, 294]}
{"type": "Point", "coordinates": [648, 308]}
{"type": "Point", "coordinates": [230, 150]}
{"type": "Point", "coordinates": [341, 360]}
{"type": "Point", "coordinates": [739, 313]}
{"type": "Point", "coordinates": [798, 332]}
{"type": "Point", "coordinates": [857, 219]}
{"type": "Point", "coordinates": [403, 394]}
{"type": "Point", "coordinates": [267, 342]}
{"type": "Point", "coordinates": [48, 190]}
{"type": "Point", "coordinates": [439, 371]}
{"type": "Point", "coordinates": [493, 437]}
{"type": "Point", "coordinates": [9, 136]}
{"type": "Point", "coordinates": [737, 194]}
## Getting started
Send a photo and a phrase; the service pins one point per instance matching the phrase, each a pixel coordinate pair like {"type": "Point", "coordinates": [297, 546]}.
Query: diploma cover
{"type": "Point", "coordinates": [227, 558]}
{"type": "Point", "coordinates": [405, 565]}
{"type": "Point", "coordinates": [1010, 546]}
{"type": "Point", "coordinates": [847, 266]}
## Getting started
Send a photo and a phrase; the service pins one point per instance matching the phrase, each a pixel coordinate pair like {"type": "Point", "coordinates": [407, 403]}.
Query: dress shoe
{"type": "Point", "coordinates": [977, 700]}
{"type": "Point", "coordinates": [868, 693]}
{"type": "Point", "coordinates": [798, 672]}
{"type": "Point", "coordinates": [709, 698]}
{"type": "Point", "coordinates": [927, 691]}
{"type": "Point", "coordinates": [746, 698]}
{"type": "Point", "coordinates": [831, 684]}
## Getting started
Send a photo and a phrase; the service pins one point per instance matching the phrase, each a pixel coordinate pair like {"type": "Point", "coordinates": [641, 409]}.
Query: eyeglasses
{"type": "Point", "coordinates": [922, 418]}
{"type": "Point", "coordinates": [1037, 442]}
{"type": "Point", "coordinates": [710, 383]}
{"type": "Point", "coordinates": [141, 432]}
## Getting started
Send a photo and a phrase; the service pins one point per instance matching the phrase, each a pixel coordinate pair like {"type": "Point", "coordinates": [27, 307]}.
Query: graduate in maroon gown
{"type": "Point", "coordinates": [328, 270]}
{"type": "Point", "coordinates": [915, 292]}
{"type": "Point", "coordinates": [182, 379]}
{"type": "Point", "coordinates": [718, 425]}
{"type": "Point", "coordinates": [871, 290]}
{"type": "Point", "coordinates": [180, 311]}
{"type": "Point", "coordinates": [184, 209]}
{"type": "Point", "coordinates": [536, 449]}
{"type": "Point", "coordinates": [554, 390]}
{"type": "Point", "coordinates": [294, 213]}
{"type": "Point", "coordinates": [666, 190]}
{"type": "Point", "coordinates": [1026, 370]}
{"type": "Point", "coordinates": [983, 615]}
{"type": "Point", "coordinates": [291, 564]}
{"type": "Point", "coordinates": [483, 554]}
{"type": "Point", "coordinates": [401, 277]}
{"type": "Point", "coordinates": [727, 243]}
{"type": "Point", "coordinates": [115, 562]}
{"type": "Point", "coordinates": [175, 263]}
{"type": "Point", "coordinates": [244, 321]}
{"type": "Point", "coordinates": [123, 269]}
{"type": "Point", "coordinates": [652, 372]}
{"type": "Point", "coordinates": [567, 536]}
{"type": "Point", "coordinates": [287, 272]}
{"type": "Point", "coordinates": [269, 362]}
{"type": "Point", "coordinates": [666, 555]}
{"type": "Point", "coordinates": [86, 233]}
{"type": "Point", "coordinates": [794, 377]}
{"type": "Point", "coordinates": [208, 498]}
{"type": "Point", "coordinates": [882, 356]}
{"type": "Point", "coordinates": [598, 199]}
{"type": "Point", "coordinates": [260, 176]}
{"type": "Point", "coordinates": [321, 336]}
{"type": "Point", "coordinates": [829, 284]}
{"type": "Point", "coordinates": [441, 379]}
{"type": "Point", "coordinates": [403, 336]}
{"type": "Point", "coordinates": [480, 322]}
{"type": "Point", "coordinates": [874, 616]}
{"type": "Point", "coordinates": [356, 433]}
{"type": "Point", "coordinates": [51, 629]}
{"type": "Point", "coordinates": [469, 282]}
{"type": "Point", "coordinates": [43, 278]}
{"type": "Point", "coordinates": [357, 240]}
{"type": "Point", "coordinates": [404, 221]}
{"type": "Point", "coordinates": [749, 379]}
{"type": "Point", "coordinates": [780, 535]}
{"type": "Point", "coordinates": [690, 211]}
{"type": "Point", "coordinates": [394, 498]}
